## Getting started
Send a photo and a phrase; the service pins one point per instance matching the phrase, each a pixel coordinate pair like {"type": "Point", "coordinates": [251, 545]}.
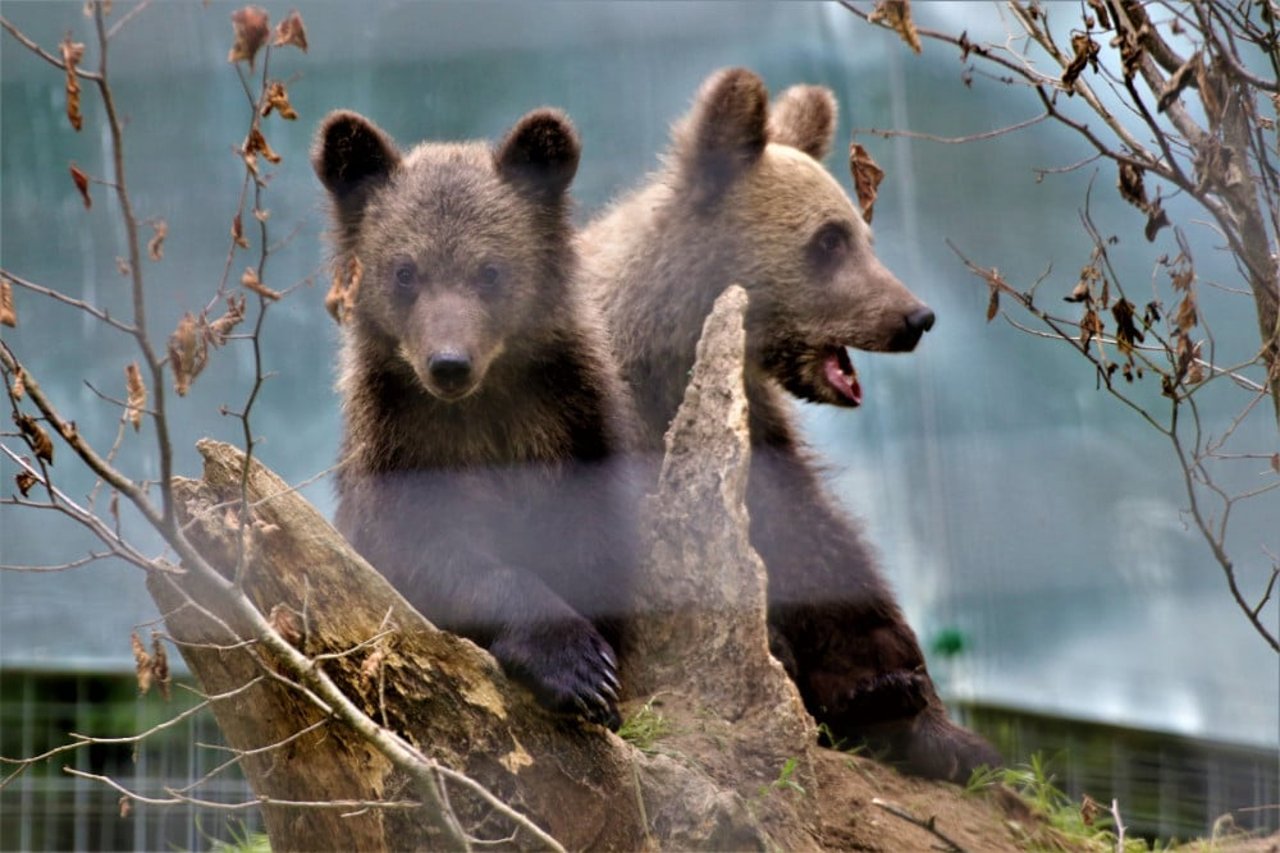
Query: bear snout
{"type": "Point", "coordinates": [914, 325]}
{"type": "Point", "coordinates": [450, 372]}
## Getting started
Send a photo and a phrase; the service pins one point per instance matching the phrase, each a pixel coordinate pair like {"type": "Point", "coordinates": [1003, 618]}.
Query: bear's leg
{"type": "Point", "coordinates": [838, 630]}
{"type": "Point", "coordinates": [447, 558]}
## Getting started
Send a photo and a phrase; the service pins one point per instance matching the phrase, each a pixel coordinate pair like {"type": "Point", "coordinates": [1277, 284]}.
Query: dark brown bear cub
{"type": "Point", "coordinates": [483, 422]}
{"type": "Point", "coordinates": [742, 198]}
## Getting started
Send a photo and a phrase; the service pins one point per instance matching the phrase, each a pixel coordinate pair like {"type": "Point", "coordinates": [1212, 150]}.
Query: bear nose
{"type": "Point", "coordinates": [450, 370]}
{"type": "Point", "coordinates": [920, 320]}
{"type": "Point", "coordinates": [913, 326]}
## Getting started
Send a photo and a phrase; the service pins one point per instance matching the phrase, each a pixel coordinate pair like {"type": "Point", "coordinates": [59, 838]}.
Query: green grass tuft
{"type": "Point", "coordinates": [645, 728]}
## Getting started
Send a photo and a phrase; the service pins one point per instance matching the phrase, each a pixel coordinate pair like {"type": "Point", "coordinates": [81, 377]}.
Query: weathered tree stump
{"type": "Point", "coordinates": [701, 647]}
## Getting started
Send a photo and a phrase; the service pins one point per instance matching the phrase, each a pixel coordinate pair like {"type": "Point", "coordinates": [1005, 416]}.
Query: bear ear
{"type": "Point", "coordinates": [352, 156]}
{"type": "Point", "coordinates": [804, 117]}
{"type": "Point", "coordinates": [724, 134]}
{"type": "Point", "coordinates": [540, 154]}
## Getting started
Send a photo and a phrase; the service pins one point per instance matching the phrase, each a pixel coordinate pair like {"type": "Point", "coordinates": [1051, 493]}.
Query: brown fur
{"type": "Point", "coordinates": [741, 200]}
{"type": "Point", "coordinates": [483, 419]}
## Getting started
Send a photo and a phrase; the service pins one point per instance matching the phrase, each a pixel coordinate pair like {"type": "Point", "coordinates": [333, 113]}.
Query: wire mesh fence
{"type": "Point", "coordinates": [44, 808]}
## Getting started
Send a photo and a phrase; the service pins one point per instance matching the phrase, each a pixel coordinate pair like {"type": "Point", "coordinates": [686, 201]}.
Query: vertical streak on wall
{"type": "Point", "coordinates": [934, 529]}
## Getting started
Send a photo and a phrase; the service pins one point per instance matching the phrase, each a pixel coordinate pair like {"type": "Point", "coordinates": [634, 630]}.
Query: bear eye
{"type": "Point", "coordinates": [405, 274]}
{"type": "Point", "coordinates": [830, 243]}
{"type": "Point", "coordinates": [490, 277]}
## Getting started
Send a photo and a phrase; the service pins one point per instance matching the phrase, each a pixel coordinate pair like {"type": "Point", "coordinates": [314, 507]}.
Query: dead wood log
{"type": "Point", "coordinates": [702, 645]}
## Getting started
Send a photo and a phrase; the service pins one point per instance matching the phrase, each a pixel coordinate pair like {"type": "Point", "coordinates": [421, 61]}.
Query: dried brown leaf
{"type": "Point", "coordinates": [340, 301]}
{"type": "Point", "coordinates": [896, 14]}
{"type": "Point", "coordinates": [72, 53]}
{"type": "Point", "coordinates": [126, 807]}
{"type": "Point", "coordinates": [1089, 810]}
{"type": "Point", "coordinates": [250, 281]}
{"type": "Point", "coordinates": [82, 184]}
{"type": "Point", "coordinates": [155, 246]}
{"type": "Point", "coordinates": [993, 304]}
{"type": "Point", "coordinates": [1182, 276]}
{"type": "Point", "coordinates": [216, 332]}
{"type": "Point", "coordinates": [141, 663]}
{"type": "Point", "coordinates": [1133, 47]}
{"type": "Point", "coordinates": [1127, 332]}
{"type": "Point", "coordinates": [8, 313]}
{"type": "Point", "coordinates": [261, 215]}
{"type": "Point", "coordinates": [25, 480]}
{"type": "Point", "coordinates": [1100, 9]}
{"type": "Point", "coordinates": [1085, 52]}
{"type": "Point", "coordinates": [256, 143]}
{"type": "Point", "coordinates": [1156, 219]}
{"type": "Point", "coordinates": [1151, 314]}
{"type": "Point", "coordinates": [187, 354]}
{"type": "Point", "coordinates": [41, 444]}
{"type": "Point", "coordinates": [137, 394]}
{"type": "Point", "coordinates": [1186, 318]}
{"type": "Point", "coordinates": [1079, 293]}
{"type": "Point", "coordinates": [278, 100]}
{"type": "Point", "coordinates": [1090, 326]}
{"type": "Point", "coordinates": [1131, 186]}
{"type": "Point", "coordinates": [237, 232]}
{"type": "Point", "coordinates": [1179, 80]}
{"type": "Point", "coordinates": [19, 386]}
{"type": "Point", "coordinates": [866, 178]}
{"type": "Point", "coordinates": [160, 665]}
{"type": "Point", "coordinates": [290, 31]}
{"type": "Point", "coordinates": [251, 26]}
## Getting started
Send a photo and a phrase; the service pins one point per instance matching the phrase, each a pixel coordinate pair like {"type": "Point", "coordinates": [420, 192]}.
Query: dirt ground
{"type": "Point", "coordinates": [851, 786]}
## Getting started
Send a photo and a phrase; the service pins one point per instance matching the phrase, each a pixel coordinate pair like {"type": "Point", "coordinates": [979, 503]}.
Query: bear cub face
{"type": "Point", "coordinates": [457, 267]}
{"type": "Point", "coordinates": [798, 244]}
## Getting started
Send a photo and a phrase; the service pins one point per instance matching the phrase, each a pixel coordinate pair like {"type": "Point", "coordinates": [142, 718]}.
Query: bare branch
{"type": "Point", "coordinates": [177, 799]}
{"type": "Point", "coordinates": [79, 304]}
{"type": "Point", "coordinates": [954, 140]}
{"type": "Point", "coordinates": [43, 54]}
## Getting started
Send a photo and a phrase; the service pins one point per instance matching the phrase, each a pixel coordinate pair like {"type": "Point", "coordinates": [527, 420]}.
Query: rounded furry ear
{"type": "Point", "coordinates": [724, 134]}
{"type": "Point", "coordinates": [804, 117]}
{"type": "Point", "coordinates": [352, 156]}
{"type": "Point", "coordinates": [540, 154]}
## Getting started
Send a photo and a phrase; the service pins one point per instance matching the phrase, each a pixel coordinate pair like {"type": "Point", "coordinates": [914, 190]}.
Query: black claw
{"type": "Point", "coordinates": [599, 701]}
{"type": "Point", "coordinates": [609, 658]}
{"type": "Point", "coordinates": [607, 689]}
{"type": "Point", "coordinates": [613, 681]}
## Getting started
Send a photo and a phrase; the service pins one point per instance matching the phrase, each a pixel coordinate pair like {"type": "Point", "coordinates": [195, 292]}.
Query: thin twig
{"type": "Point", "coordinates": [40, 52]}
{"type": "Point", "coordinates": [929, 825]}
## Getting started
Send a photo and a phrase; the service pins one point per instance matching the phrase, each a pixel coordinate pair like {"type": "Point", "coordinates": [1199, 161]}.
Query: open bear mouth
{"type": "Point", "coordinates": [841, 376]}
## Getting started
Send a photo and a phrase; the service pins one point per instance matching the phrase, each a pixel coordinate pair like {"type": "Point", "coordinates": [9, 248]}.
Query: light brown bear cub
{"type": "Point", "coordinates": [741, 198]}
{"type": "Point", "coordinates": [482, 415]}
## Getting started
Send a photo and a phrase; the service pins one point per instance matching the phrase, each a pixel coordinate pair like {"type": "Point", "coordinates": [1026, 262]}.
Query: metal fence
{"type": "Point", "coordinates": [44, 808]}
{"type": "Point", "coordinates": [1168, 787]}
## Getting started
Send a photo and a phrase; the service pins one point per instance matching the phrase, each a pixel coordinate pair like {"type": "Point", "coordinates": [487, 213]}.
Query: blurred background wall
{"type": "Point", "coordinates": [1030, 525]}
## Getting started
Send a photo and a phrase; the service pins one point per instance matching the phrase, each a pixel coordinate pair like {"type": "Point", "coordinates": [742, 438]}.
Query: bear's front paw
{"type": "Point", "coordinates": [570, 668]}
{"type": "Point", "coordinates": [888, 696]}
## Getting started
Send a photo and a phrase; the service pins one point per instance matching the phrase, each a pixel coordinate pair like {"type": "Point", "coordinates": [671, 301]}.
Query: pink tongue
{"type": "Point", "coordinates": [846, 384]}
